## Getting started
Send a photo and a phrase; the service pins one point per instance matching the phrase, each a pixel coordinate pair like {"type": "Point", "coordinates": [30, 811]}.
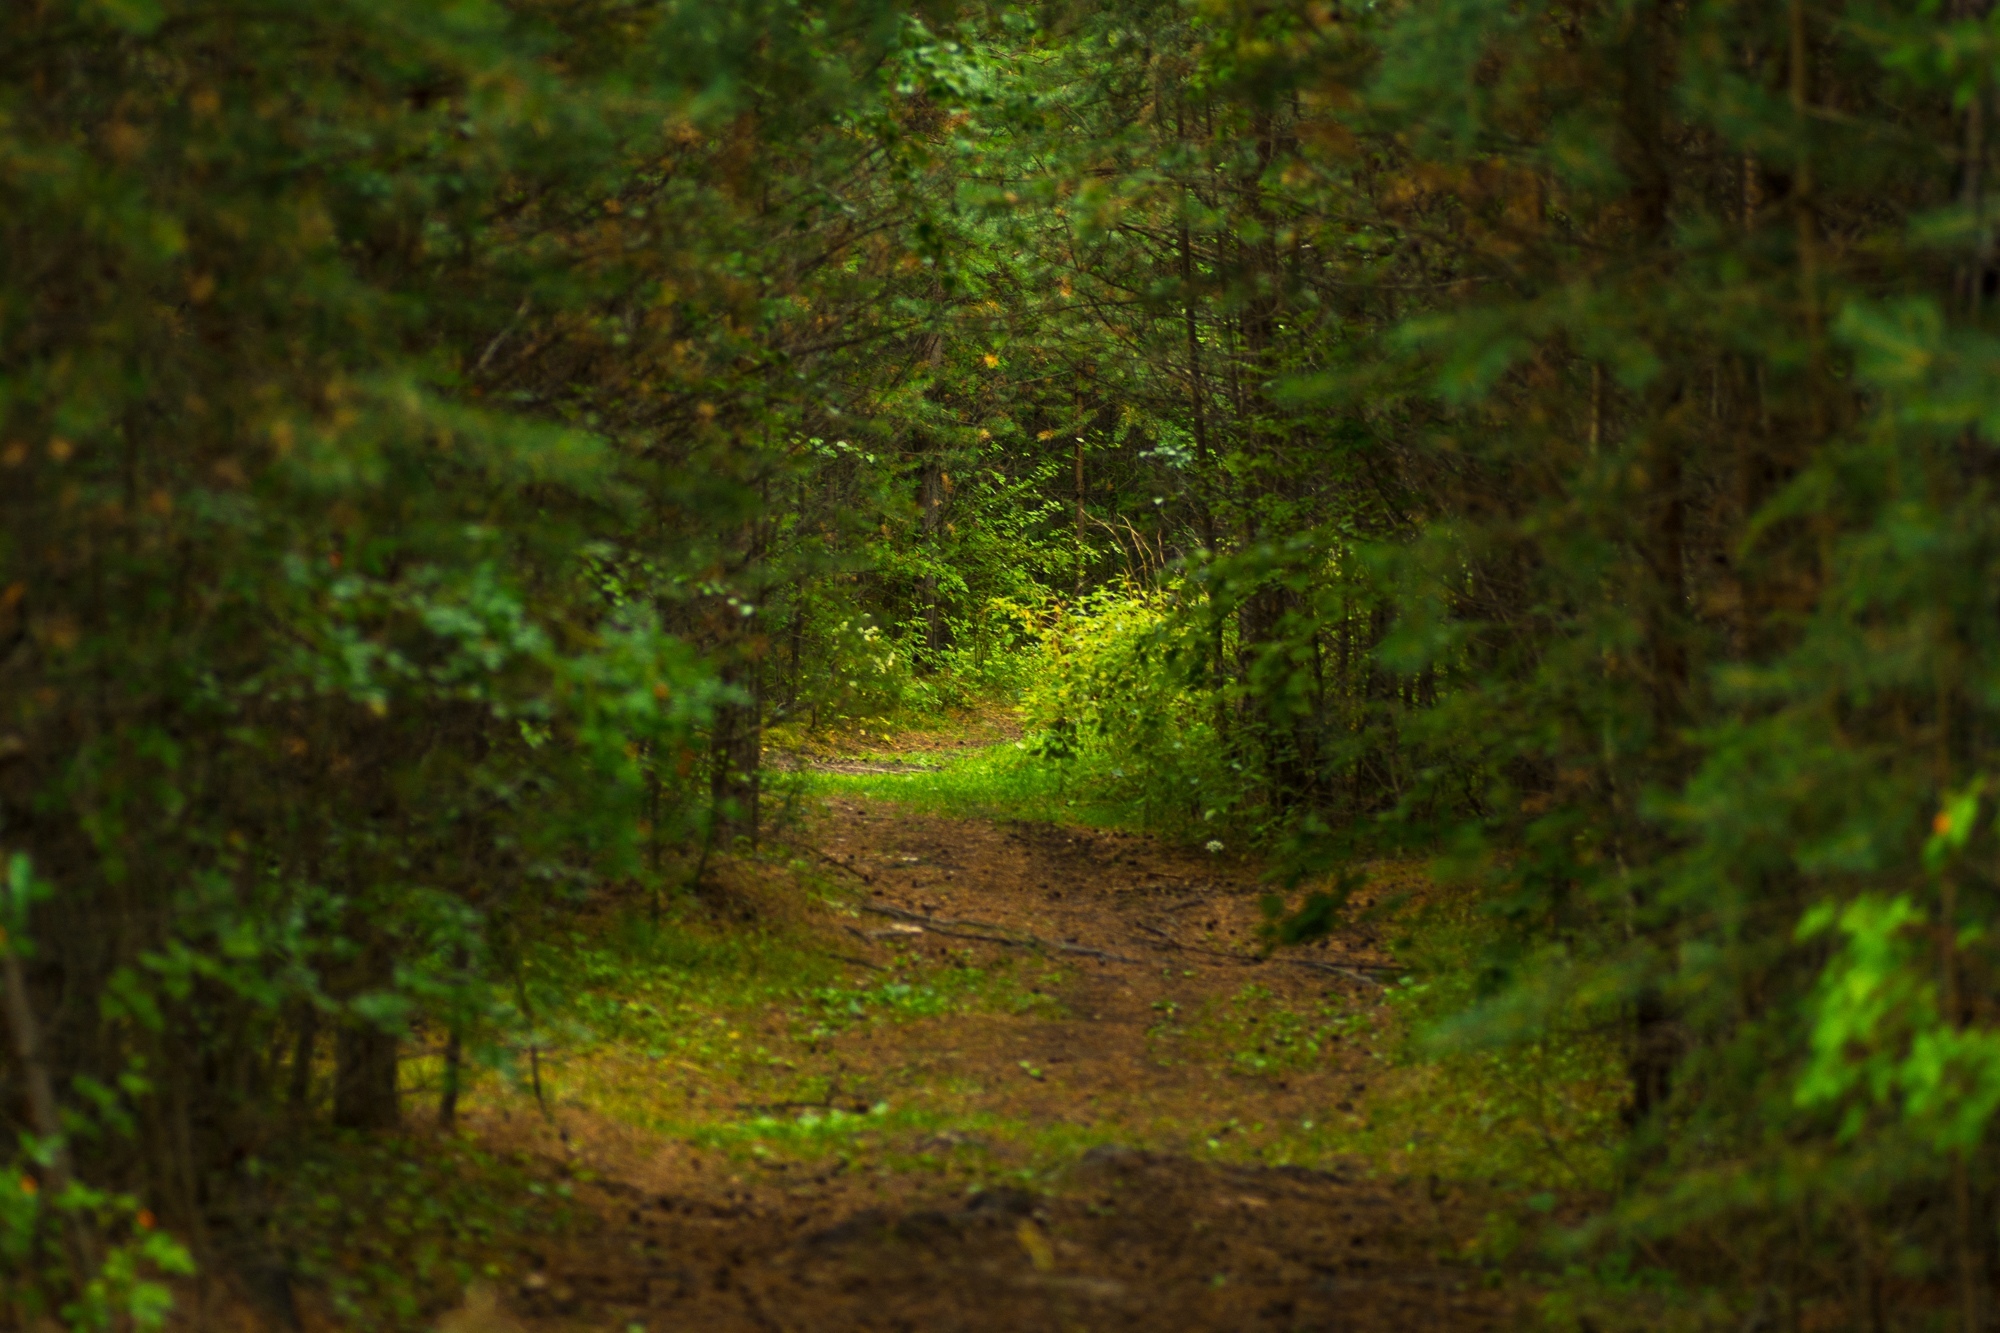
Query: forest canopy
{"type": "Point", "coordinates": [1557, 440]}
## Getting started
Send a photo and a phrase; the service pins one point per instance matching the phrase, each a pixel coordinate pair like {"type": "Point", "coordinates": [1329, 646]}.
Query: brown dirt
{"type": "Point", "coordinates": [1151, 1229]}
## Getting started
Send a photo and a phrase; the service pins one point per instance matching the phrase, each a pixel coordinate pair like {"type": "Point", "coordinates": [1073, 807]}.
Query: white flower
{"type": "Point", "coordinates": [1215, 844]}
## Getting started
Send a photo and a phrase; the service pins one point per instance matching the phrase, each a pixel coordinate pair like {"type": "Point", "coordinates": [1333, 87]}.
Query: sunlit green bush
{"type": "Point", "coordinates": [1115, 702]}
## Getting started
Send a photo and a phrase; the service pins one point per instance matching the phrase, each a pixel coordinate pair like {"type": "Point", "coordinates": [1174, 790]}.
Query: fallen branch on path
{"type": "Point", "coordinates": [861, 875]}
{"type": "Point", "coordinates": [976, 930]}
{"type": "Point", "coordinates": [945, 928]}
{"type": "Point", "coordinates": [850, 958]}
{"type": "Point", "coordinates": [1337, 969]}
{"type": "Point", "coordinates": [1352, 970]}
{"type": "Point", "coordinates": [1089, 952]}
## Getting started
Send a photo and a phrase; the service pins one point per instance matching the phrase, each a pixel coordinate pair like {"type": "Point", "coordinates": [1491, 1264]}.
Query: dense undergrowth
{"type": "Point", "coordinates": [388, 1232]}
{"type": "Point", "coordinates": [1118, 723]}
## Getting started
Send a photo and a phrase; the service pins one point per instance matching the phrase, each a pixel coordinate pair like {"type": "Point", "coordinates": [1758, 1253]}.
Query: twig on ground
{"type": "Point", "coordinates": [943, 925]}
{"type": "Point", "coordinates": [836, 862]}
{"type": "Point", "coordinates": [1088, 952]}
{"type": "Point", "coordinates": [1335, 968]}
{"type": "Point", "coordinates": [976, 935]}
{"type": "Point", "coordinates": [1019, 939]}
{"type": "Point", "coordinates": [858, 962]}
{"type": "Point", "coordinates": [831, 860]}
{"type": "Point", "coordinates": [1353, 970]}
{"type": "Point", "coordinates": [1358, 964]}
{"type": "Point", "coordinates": [824, 1105]}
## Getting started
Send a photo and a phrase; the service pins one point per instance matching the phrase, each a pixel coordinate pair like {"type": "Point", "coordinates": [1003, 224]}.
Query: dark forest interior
{"type": "Point", "coordinates": [658, 655]}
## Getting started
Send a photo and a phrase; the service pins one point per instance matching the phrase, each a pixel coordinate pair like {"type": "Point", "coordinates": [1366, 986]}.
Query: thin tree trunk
{"type": "Point", "coordinates": [1079, 515]}
{"type": "Point", "coordinates": [448, 1098]}
{"type": "Point", "coordinates": [737, 754]}
{"type": "Point", "coordinates": [364, 1054]}
{"type": "Point", "coordinates": [304, 1046]}
{"type": "Point", "coordinates": [1654, 1052]}
{"type": "Point", "coordinates": [24, 1035]}
{"type": "Point", "coordinates": [364, 1077]}
{"type": "Point", "coordinates": [930, 493]}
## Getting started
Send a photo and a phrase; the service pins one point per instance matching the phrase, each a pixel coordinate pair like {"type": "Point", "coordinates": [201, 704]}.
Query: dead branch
{"type": "Point", "coordinates": [976, 930]}
{"type": "Point", "coordinates": [1354, 970]}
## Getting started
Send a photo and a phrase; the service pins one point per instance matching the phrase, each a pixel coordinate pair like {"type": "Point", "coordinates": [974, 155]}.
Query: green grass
{"type": "Point", "coordinates": [1536, 1117]}
{"type": "Point", "coordinates": [722, 1034]}
{"type": "Point", "coordinates": [1465, 1098]}
{"type": "Point", "coordinates": [748, 1011]}
{"type": "Point", "coordinates": [1539, 1115]}
{"type": "Point", "coordinates": [679, 987]}
{"type": "Point", "coordinates": [994, 782]}
{"type": "Point", "coordinates": [1255, 1033]}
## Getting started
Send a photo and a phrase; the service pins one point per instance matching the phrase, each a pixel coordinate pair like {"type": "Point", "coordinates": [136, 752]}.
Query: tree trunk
{"type": "Point", "coordinates": [305, 1043]}
{"type": "Point", "coordinates": [1644, 155]}
{"type": "Point", "coordinates": [931, 493]}
{"type": "Point", "coordinates": [737, 754]}
{"type": "Point", "coordinates": [364, 1053]}
{"type": "Point", "coordinates": [454, 1062]}
{"type": "Point", "coordinates": [364, 1077]}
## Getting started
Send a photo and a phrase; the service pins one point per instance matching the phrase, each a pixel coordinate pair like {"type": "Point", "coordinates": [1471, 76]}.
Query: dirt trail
{"type": "Point", "coordinates": [1140, 1232]}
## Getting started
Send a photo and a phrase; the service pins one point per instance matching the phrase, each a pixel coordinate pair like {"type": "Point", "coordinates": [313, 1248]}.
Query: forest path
{"type": "Point", "coordinates": [1140, 1095]}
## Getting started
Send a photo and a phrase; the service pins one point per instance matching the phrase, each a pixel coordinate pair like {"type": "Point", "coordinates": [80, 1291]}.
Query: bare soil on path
{"type": "Point", "coordinates": [1150, 1228]}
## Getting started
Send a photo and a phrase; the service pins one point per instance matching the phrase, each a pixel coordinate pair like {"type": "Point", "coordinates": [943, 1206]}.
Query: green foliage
{"type": "Point", "coordinates": [1571, 429]}
{"type": "Point", "coordinates": [385, 426]}
{"type": "Point", "coordinates": [393, 1229]}
{"type": "Point", "coordinates": [436, 439]}
{"type": "Point", "coordinates": [1119, 706]}
{"type": "Point", "coordinates": [127, 1288]}
{"type": "Point", "coordinates": [1005, 781]}
{"type": "Point", "coordinates": [1517, 1079]}
{"type": "Point", "coordinates": [1881, 1039]}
